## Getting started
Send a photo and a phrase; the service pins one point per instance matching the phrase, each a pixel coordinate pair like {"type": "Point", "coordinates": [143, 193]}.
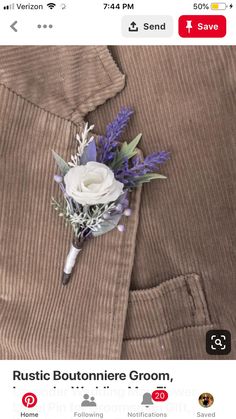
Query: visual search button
{"type": "Point", "coordinates": [218, 342]}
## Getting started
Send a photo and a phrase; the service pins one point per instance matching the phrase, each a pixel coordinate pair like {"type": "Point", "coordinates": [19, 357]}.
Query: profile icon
{"type": "Point", "coordinates": [206, 400]}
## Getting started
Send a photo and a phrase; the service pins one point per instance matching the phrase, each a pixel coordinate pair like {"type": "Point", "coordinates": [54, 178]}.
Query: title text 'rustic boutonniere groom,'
{"type": "Point", "coordinates": [96, 183]}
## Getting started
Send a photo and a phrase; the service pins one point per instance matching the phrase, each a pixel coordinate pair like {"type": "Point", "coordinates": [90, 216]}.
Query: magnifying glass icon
{"type": "Point", "coordinates": [218, 342]}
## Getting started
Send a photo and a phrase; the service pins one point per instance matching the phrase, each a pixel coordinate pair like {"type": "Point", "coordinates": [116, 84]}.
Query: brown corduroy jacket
{"type": "Point", "coordinates": [154, 291]}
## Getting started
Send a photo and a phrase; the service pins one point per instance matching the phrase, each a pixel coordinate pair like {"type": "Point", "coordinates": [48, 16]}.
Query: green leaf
{"type": "Point", "coordinates": [148, 177]}
{"type": "Point", "coordinates": [107, 225]}
{"type": "Point", "coordinates": [129, 148]}
{"type": "Point", "coordinates": [63, 166]}
{"type": "Point", "coordinates": [127, 151]}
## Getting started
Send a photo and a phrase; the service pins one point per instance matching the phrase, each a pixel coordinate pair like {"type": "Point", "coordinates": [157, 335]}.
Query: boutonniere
{"type": "Point", "coordinates": [97, 182]}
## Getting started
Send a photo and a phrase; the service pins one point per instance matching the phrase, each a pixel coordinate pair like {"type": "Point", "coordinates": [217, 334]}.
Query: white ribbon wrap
{"type": "Point", "coordinates": [71, 259]}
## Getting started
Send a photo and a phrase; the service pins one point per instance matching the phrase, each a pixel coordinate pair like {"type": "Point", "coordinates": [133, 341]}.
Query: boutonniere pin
{"type": "Point", "coordinates": [97, 182]}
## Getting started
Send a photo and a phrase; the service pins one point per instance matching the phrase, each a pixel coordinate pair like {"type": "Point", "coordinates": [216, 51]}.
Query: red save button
{"type": "Point", "coordinates": [202, 26]}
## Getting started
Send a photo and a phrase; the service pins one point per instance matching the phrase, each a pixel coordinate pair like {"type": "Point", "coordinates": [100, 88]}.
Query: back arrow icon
{"type": "Point", "coordinates": [13, 26]}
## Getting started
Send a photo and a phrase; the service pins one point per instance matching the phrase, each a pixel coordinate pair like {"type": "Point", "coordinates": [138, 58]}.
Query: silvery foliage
{"type": "Point", "coordinates": [83, 141]}
{"type": "Point", "coordinates": [89, 218]}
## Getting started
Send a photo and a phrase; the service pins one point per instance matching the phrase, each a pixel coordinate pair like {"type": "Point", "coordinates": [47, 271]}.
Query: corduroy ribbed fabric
{"type": "Point", "coordinates": [41, 319]}
{"type": "Point", "coordinates": [184, 101]}
{"type": "Point", "coordinates": [154, 311]}
{"type": "Point", "coordinates": [66, 81]}
{"type": "Point", "coordinates": [177, 250]}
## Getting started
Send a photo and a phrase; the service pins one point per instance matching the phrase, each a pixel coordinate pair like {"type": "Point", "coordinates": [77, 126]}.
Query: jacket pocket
{"type": "Point", "coordinates": [175, 304]}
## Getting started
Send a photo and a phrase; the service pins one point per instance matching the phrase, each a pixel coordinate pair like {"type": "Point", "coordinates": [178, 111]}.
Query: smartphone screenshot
{"type": "Point", "coordinates": [117, 209]}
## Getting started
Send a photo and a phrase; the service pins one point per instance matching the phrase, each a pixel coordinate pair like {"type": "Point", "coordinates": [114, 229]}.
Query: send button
{"type": "Point", "coordinates": [147, 26]}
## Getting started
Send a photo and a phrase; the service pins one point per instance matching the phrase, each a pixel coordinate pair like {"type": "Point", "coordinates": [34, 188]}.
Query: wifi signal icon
{"type": "Point", "coordinates": [51, 5]}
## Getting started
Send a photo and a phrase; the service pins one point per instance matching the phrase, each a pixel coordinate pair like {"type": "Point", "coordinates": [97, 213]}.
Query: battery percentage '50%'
{"type": "Point", "coordinates": [114, 6]}
{"type": "Point", "coordinates": [201, 6]}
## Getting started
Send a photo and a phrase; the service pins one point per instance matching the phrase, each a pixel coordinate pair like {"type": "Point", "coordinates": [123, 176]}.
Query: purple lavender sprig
{"type": "Point", "coordinates": [140, 171]}
{"type": "Point", "coordinates": [150, 163]}
{"type": "Point", "coordinates": [107, 144]}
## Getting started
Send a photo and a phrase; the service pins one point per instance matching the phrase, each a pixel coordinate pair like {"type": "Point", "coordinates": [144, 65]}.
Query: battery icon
{"type": "Point", "coordinates": [218, 6]}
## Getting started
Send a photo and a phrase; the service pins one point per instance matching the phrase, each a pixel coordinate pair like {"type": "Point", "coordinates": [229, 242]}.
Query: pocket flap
{"type": "Point", "coordinates": [176, 303]}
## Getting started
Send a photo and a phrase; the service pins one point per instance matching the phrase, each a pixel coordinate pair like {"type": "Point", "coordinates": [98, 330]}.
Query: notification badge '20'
{"type": "Point", "coordinates": [29, 400]}
{"type": "Point", "coordinates": [159, 395]}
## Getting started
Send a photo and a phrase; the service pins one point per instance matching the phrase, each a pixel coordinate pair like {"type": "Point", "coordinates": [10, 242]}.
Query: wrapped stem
{"type": "Point", "coordinates": [75, 249]}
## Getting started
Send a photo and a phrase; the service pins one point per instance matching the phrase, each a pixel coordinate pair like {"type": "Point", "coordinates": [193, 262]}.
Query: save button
{"type": "Point", "coordinates": [202, 26]}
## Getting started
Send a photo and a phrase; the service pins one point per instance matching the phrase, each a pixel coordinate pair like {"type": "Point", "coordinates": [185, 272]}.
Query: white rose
{"type": "Point", "coordinates": [92, 183]}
